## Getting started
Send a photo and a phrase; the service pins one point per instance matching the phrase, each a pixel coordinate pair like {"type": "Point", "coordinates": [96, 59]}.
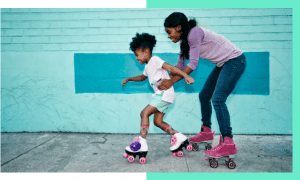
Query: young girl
{"type": "Point", "coordinates": [155, 70]}
{"type": "Point", "coordinates": [195, 43]}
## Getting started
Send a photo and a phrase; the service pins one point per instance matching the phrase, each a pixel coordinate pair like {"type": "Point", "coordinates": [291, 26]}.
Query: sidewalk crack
{"type": "Point", "coordinates": [101, 142]}
{"type": "Point", "coordinates": [187, 164]}
{"type": "Point", "coordinates": [28, 151]}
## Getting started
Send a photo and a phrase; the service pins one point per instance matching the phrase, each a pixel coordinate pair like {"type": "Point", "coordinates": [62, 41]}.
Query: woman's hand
{"type": "Point", "coordinates": [165, 84]}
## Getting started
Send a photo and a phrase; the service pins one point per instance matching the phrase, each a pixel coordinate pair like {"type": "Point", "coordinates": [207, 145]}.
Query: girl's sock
{"type": "Point", "coordinates": [144, 131]}
{"type": "Point", "coordinates": [170, 130]}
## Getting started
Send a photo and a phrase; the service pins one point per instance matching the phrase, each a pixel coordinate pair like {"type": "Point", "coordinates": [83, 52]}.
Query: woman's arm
{"type": "Point", "coordinates": [195, 38]}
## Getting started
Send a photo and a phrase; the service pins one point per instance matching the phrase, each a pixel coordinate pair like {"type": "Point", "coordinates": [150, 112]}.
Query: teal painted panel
{"type": "Point", "coordinates": [103, 73]}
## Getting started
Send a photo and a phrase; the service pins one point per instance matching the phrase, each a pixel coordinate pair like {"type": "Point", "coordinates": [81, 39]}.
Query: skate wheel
{"type": "Point", "coordinates": [130, 158]}
{"type": "Point", "coordinates": [206, 158]}
{"type": "Point", "coordinates": [180, 153]}
{"type": "Point", "coordinates": [174, 154]}
{"type": "Point", "coordinates": [143, 160]}
{"type": "Point", "coordinates": [231, 164]}
{"type": "Point", "coordinates": [208, 147]}
{"type": "Point", "coordinates": [195, 147]}
{"type": "Point", "coordinates": [189, 147]}
{"type": "Point", "coordinates": [125, 155]}
{"type": "Point", "coordinates": [213, 163]}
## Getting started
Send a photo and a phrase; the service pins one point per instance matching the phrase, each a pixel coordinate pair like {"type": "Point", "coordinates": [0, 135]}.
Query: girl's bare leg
{"type": "Point", "coordinates": [158, 121]}
{"type": "Point", "coordinates": [145, 114]}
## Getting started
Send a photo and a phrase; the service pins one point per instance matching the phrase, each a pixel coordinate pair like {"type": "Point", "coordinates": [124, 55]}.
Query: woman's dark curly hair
{"type": "Point", "coordinates": [175, 19]}
{"type": "Point", "coordinates": [142, 41]}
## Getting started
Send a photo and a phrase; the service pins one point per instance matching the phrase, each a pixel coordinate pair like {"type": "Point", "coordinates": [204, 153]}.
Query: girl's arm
{"type": "Point", "coordinates": [176, 70]}
{"type": "Point", "coordinates": [167, 83]}
{"type": "Point", "coordinates": [136, 78]}
{"type": "Point", "coordinates": [175, 78]}
{"type": "Point", "coordinates": [180, 65]}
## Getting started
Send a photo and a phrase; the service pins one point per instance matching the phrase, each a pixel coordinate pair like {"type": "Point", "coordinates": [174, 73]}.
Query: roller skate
{"type": "Point", "coordinates": [178, 141]}
{"type": "Point", "coordinates": [138, 147]}
{"type": "Point", "coordinates": [205, 136]}
{"type": "Point", "coordinates": [225, 149]}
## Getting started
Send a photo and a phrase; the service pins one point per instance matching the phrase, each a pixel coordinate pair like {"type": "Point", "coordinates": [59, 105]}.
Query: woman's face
{"type": "Point", "coordinates": [173, 33]}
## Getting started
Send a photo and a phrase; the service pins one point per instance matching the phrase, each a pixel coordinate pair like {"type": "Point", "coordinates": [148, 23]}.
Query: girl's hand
{"type": "Point", "coordinates": [189, 80]}
{"type": "Point", "coordinates": [124, 82]}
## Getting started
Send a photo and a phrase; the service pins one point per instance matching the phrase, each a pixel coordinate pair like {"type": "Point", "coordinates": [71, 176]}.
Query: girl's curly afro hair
{"type": "Point", "coordinates": [142, 41]}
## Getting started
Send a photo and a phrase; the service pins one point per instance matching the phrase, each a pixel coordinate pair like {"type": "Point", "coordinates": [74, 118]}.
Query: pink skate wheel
{"type": "Point", "coordinates": [174, 154]}
{"type": "Point", "coordinates": [125, 155]}
{"type": "Point", "coordinates": [189, 147]}
{"type": "Point", "coordinates": [142, 160]}
{"type": "Point", "coordinates": [206, 158]}
{"type": "Point", "coordinates": [180, 153]}
{"type": "Point", "coordinates": [130, 158]}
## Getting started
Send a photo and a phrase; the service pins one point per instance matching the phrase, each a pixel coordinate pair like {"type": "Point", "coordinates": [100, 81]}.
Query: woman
{"type": "Point", "coordinates": [195, 43]}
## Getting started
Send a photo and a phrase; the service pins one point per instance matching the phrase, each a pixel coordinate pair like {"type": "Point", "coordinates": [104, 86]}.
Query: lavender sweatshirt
{"type": "Point", "coordinates": [208, 45]}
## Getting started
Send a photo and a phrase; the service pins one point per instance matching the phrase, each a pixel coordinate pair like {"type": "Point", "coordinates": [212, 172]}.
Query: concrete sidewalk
{"type": "Point", "coordinates": [84, 152]}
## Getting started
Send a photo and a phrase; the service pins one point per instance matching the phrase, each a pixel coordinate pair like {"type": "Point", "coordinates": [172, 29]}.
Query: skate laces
{"type": "Point", "coordinates": [136, 139]}
{"type": "Point", "coordinates": [199, 135]}
{"type": "Point", "coordinates": [202, 134]}
{"type": "Point", "coordinates": [173, 140]}
{"type": "Point", "coordinates": [217, 148]}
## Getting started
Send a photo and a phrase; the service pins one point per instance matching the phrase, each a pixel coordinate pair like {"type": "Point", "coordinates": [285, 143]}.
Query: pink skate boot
{"type": "Point", "coordinates": [138, 147]}
{"type": "Point", "coordinates": [178, 141]}
{"type": "Point", "coordinates": [225, 149]}
{"type": "Point", "coordinates": [205, 136]}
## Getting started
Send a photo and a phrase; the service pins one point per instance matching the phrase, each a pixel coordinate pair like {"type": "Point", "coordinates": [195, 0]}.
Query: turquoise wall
{"type": "Point", "coordinates": [38, 48]}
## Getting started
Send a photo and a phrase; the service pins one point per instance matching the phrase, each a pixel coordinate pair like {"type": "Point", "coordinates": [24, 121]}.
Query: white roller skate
{"type": "Point", "coordinates": [178, 141]}
{"type": "Point", "coordinates": [137, 147]}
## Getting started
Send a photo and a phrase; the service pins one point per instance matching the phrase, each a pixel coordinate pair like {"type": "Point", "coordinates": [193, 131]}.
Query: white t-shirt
{"type": "Point", "coordinates": [155, 73]}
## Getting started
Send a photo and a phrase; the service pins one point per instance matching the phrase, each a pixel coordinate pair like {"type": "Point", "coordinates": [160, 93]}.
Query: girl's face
{"type": "Point", "coordinates": [142, 55]}
{"type": "Point", "coordinates": [173, 33]}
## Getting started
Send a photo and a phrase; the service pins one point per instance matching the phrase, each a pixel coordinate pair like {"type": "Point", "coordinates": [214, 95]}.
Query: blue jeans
{"type": "Point", "coordinates": [218, 86]}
